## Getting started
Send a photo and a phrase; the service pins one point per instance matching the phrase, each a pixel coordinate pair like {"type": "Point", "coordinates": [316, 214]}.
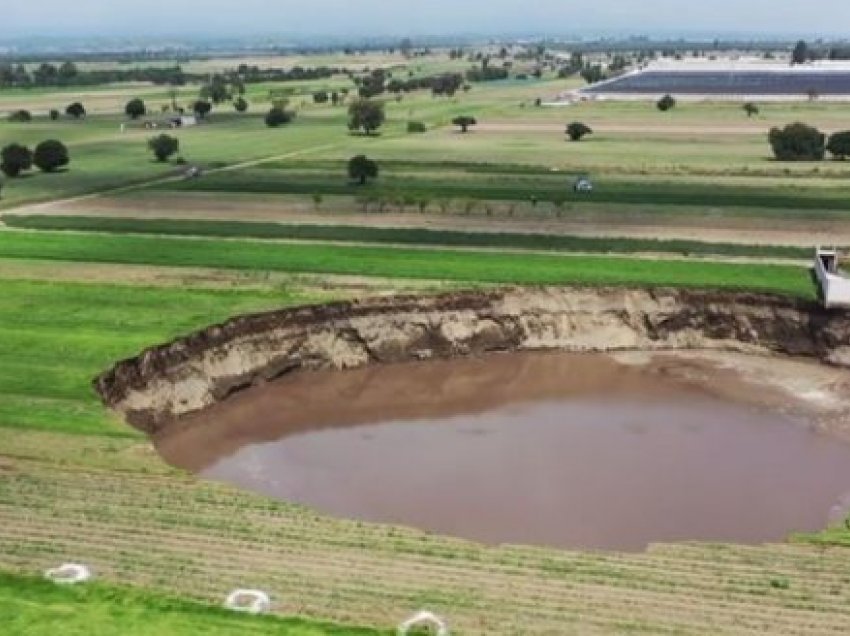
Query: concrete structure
{"type": "Point", "coordinates": [424, 620]}
{"type": "Point", "coordinates": [834, 286]}
{"type": "Point", "coordinates": [69, 574]}
{"type": "Point", "coordinates": [248, 601]}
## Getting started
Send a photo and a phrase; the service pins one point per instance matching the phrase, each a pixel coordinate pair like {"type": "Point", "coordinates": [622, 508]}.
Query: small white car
{"type": "Point", "coordinates": [583, 185]}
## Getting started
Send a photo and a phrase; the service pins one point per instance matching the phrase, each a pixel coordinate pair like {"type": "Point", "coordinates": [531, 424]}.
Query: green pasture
{"type": "Point", "coordinates": [55, 337]}
{"type": "Point", "coordinates": [398, 236]}
{"type": "Point", "coordinates": [649, 149]}
{"type": "Point", "coordinates": [435, 182]}
{"type": "Point", "coordinates": [33, 607]}
{"type": "Point", "coordinates": [431, 264]}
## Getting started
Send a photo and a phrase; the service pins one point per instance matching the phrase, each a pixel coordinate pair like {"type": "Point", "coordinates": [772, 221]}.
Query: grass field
{"type": "Point", "coordinates": [399, 236]}
{"type": "Point", "coordinates": [433, 264]}
{"type": "Point", "coordinates": [80, 291]}
{"type": "Point", "coordinates": [33, 607]}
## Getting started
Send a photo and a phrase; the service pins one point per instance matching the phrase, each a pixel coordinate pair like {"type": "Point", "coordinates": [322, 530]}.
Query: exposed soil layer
{"type": "Point", "coordinates": [199, 370]}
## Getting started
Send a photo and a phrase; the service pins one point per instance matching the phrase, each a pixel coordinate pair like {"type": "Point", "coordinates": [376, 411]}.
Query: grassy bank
{"type": "Point", "coordinates": [55, 337]}
{"type": "Point", "coordinates": [399, 236]}
{"type": "Point", "coordinates": [434, 264]}
{"type": "Point", "coordinates": [33, 607]}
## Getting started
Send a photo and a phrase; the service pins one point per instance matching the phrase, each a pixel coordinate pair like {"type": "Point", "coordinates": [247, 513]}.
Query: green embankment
{"type": "Point", "coordinates": [32, 607]}
{"type": "Point", "coordinates": [399, 236]}
{"type": "Point", "coordinates": [55, 337]}
{"type": "Point", "coordinates": [465, 266]}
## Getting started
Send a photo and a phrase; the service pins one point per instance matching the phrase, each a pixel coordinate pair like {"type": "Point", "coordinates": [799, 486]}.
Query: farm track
{"type": "Point", "coordinates": [210, 538]}
{"type": "Point", "coordinates": [48, 206]}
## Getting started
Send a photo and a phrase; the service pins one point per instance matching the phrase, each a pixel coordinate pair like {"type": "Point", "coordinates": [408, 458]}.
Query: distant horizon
{"type": "Point", "coordinates": [339, 20]}
{"type": "Point", "coordinates": [259, 41]}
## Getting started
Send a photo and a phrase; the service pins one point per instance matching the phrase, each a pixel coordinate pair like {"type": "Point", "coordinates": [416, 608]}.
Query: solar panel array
{"type": "Point", "coordinates": [729, 83]}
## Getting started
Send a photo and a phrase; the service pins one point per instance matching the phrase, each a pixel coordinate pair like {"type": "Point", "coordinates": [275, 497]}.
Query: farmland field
{"type": "Point", "coordinates": [119, 253]}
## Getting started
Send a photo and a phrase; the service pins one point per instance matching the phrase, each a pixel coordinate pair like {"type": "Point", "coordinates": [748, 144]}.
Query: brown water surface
{"type": "Point", "coordinates": [562, 450]}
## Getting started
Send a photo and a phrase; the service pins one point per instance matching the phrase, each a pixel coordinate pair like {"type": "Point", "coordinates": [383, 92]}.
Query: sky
{"type": "Point", "coordinates": [153, 18]}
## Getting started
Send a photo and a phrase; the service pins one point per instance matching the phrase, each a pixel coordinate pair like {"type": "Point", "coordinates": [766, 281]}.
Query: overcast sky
{"type": "Point", "coordinates": [24, 18]}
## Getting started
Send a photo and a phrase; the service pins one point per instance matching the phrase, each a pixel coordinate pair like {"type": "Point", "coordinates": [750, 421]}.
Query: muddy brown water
{"type": "Point", "coordinates": [563, 450]}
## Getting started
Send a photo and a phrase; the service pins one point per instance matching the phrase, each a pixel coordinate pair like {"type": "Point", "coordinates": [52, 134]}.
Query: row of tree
{"type": "Point", "coordinates": [68, 74]}
{"type": "Point", "coordinates": [48, 156]}
{"type": "Point", "coordinates": [801, 142]}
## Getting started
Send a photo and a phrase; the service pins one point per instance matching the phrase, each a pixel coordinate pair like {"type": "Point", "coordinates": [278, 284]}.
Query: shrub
{"type": "Point", "coordinates": [797, 142]}
{"type": "Point", "coordinates": [14, 159]}
{"type": "Point", "coordinates": [54, 114]}
{"type": "Point", "coordinates": [20, 116]}
{"type": "Point", "coordinates": [666, 103]}
{"type": "Point", "coordinates": [75, 110]}
{"type": "Point", "coordinates": [240, 104]}
{"type": "Point", "coordinates": [577, 130]}
{"type": "Point", "coordinates": [278, 116]}
{"type": "Point", "coordinates": [416, 127]}
{"type": "Point", "coordinates": [50, 155]}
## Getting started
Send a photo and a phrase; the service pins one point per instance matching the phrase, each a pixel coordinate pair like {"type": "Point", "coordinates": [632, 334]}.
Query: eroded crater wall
{"type": "Point", "coordinates": [194, 372]}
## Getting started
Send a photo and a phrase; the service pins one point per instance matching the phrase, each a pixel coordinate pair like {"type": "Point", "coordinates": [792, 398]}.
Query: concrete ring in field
{"type": "Point", "coordinates": [249, 601]}
{"type": "Point", "coordinates": [422, 619]}
{"type": "Point", "coordinates": [69, 574]}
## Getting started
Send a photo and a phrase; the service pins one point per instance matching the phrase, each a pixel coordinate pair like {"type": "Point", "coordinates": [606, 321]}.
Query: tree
{"type": "Point", "coordinates": [202, 108]}
{"type": "Point", "coordinates": [797, 142]}
{"type": "Point", "coordinates": [50, 155]}
{"type": "Point", "coordinates": [666, 103]}
{"type": "Point", "coordinates": [217, 90]}
{"type": "Point", "coordinates": [839, 145]}
{"type": "Point", "coordinates": [577, 130]}
{"type": "Point", "coordinates": [68, 70]}
{"type": "Point", "coordinates": [321, 97]}
{"type": "Point", "coordinates": [751, 109]}
{"type": "Point", "coordinates": [14, 159]}
{"type": "Point", "coordinates": [75, 110]}
{"type": "Point", "coordinates": [240, 104]}
{"type": "Point", "coordinates": [54, 114]}
{"type": "Point", "coordinates": [593, 74]}
{"type": "Point", "coordinates": [366, 115]}
{"type": "Point", "coordinates": [163, 146]}
{"type": "Point", "coordinates": [464, 121]}
{"type": "Point", "coordinates": [278, 116]}
{"type": "Point", "coordinates": [135, 108]}
{"type": "Point", "coordinates": [361, 168]}
{"type": "Point", "coordinates": [800, 55]}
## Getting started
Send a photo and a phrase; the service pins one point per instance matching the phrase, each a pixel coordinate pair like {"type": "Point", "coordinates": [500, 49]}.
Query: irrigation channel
{"type": "Point", "coordinates": [548, 448]}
